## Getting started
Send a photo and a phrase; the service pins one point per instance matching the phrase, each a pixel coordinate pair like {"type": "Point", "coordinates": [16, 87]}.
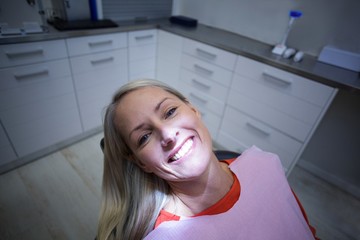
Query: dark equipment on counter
{"type": "Point", "coordinates": [62, 25]}
{"type": "Point", "coordinates": [184, 21]}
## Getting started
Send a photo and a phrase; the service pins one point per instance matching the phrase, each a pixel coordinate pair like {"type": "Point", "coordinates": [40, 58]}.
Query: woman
{"type": "Point", "coordinates": [162, 180]}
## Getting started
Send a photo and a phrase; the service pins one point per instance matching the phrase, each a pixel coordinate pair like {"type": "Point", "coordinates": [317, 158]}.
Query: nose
{"type": "Point", "coordinates": [168, 137]}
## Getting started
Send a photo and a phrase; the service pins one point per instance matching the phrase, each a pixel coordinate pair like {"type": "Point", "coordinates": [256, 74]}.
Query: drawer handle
{"type": "Point", "coordinates": [197, 82]}
{"type": "Point", "coordinates": [102, 60]}
{"type": "Point", "coordinates": [99, 43]}
{"type": "Point", "coordinates": [193, 96]}
{"type": "Point", "coordinates": [202, 69]}
{"type": "Point", "coordinates": [271, 78]}
{"type": "Point", "coordinates": [24, 53]}
{"type": "Point", "coordinates": [31, 74]}
{"type": "Point", "coordinates": [144, 37]}
{"type": "Point", "coordinates": [206, 54]}
{"type": "Point", "coordinates": [259, 128]}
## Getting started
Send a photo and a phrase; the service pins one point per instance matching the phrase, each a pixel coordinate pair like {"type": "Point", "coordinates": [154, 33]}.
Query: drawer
{"type": "Point", "coordinates": [97, 43]}
{"type": "Point", "coordinates": [37, 89]}
{"type": "Point", "coordinates": [142, 52]}
{"type": "Point", "coordinates": [142, 37]}
{"type": "Point", "coordinates": [201, 100]}
{"type": "Point", "coordinates": [99, 61]}
{"type": "Point", "coordinates": [207, 70]}
{"type": "Point", "coordinates": [33, 74]}
{"type": "Point", "coordinates": [28, 53]}
{"type": "Point", "coordinates": [279, 101]}
{"type": "Point", "coordinates": [211, 120]}
{"type": "Point", "coordinates": [142, 68]}
{"type": "Point", "coordinates": [210, 54]}
{"type": "Point", "coordinates": [270, 116]}
{"type": "Point", "coordinates": [93, 99]}
{"type": "Point", "coordinates": [253, 132]}
{"type": "Point", "coordinates": [35, 126]}
{"type": "Point", "coordinates": [234, 144]}
{"type": "Point", "coordinates": [204, 85]}
{"type": "Point", "coordinates": [284, 82]}
{"type": "Point", "coordinates": [6, 151]}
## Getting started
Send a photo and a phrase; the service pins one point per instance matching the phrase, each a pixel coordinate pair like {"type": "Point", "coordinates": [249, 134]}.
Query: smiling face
{"type": "Point", "coordinates": [165, 134]}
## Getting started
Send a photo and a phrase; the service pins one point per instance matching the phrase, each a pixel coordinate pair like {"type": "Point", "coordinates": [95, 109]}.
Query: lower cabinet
{"type": "Point", "coordinates": [272, 109]}
{"type": "Point", "coordinates": [38, 106]}
{"type": "Point", "coordinates": [97, 77]}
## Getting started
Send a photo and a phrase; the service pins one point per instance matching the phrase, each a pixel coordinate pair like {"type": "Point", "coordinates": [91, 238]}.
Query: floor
{"type": "Point", "coordinates": [58, 197]}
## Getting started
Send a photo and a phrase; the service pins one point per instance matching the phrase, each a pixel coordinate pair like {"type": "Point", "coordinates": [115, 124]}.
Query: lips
{"type": "Point", "coordinates": [185, 148]}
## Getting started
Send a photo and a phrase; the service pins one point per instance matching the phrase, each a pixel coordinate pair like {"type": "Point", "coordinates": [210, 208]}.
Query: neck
{"type": "Point", "coordinates": [194, 196]}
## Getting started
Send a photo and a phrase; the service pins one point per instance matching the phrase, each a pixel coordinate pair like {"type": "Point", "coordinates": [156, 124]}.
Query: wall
{"type": "Point", "coordinates": [333, 152]}
{"type": "Point", "coordinates": [15, 12]}
{"type": "Point", "coordinates": [334, 22]}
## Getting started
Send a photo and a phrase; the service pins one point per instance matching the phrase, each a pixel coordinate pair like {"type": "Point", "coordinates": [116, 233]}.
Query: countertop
{"type": "Point", "coordinates": [309, 67]}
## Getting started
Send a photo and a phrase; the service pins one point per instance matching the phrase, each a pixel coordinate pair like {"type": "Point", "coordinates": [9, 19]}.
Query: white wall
{"type": "Point", "coordinates": [334, 22]}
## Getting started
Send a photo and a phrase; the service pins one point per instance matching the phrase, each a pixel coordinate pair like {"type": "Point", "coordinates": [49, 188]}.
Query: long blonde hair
{"type": "Point", "coordinates": [132, 199]}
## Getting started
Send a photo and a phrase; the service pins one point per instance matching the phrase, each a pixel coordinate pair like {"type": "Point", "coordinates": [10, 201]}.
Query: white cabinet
{"type": "Point", "coordinates": [142, 54]}
{"type": "Point", "coordinates": [37, 100]}
{"type": "Point", "coordinates": [99, 66]}
{"type": "Point", "coordinates": [273, 109]}
{"type": "Point", "coordinates": [205, 78]}
{"type": "Point", "coordinates": [169, 51]}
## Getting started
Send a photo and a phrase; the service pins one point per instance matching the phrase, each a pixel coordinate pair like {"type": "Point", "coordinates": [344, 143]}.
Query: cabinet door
{"type": "Point", "coordinates": [142, 54]}
{"type": "Point", "coordinates": [27, 53]}
{"type": "Point", "coordinates": [39, 110]}
{"type": "Point", "coordinates": [97, 77]}
{"type": "Point", "coordinates": [207, 70]}
{"type": "Point", "coordinates": [210, 54]}
{"type": "Point", "coordinates": [168, 62]}
{"type": "Point", "coordinates": [97, 43]}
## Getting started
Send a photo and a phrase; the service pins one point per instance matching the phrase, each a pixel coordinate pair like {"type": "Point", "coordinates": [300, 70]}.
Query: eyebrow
{"type": "Point", "coordinates": [156, 109]}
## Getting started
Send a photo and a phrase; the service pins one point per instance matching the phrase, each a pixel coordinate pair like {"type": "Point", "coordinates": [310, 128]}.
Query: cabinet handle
{"type": "Point", "coordinates": [202, 69]}
{"type": "Point", "coordinates": [206, 54]}
{"type": "Point", "coordinates": [98, 43]}
{"type": "Point", "coordinates": [24, 53]}
{"type": "Point", "coordinates": [144, 37]}
{"type": "Point", "coordinates": [102, 60]}
{"type": "Point", "coordinates": [259, 128]}
{"type": "Point", "coordinates": [31, 74]}
{"type": "Point", "coordinates": [193, 96]}
{"type": "Point", "coordinates": [197, 82]}
{"type": "Point", "coordinates": [271, 78]}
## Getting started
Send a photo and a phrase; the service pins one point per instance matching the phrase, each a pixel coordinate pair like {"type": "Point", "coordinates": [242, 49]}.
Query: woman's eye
{"type": "Point", "coordinates": [170, 112]}
{"type": "Point", "coordinates": [143, 139]}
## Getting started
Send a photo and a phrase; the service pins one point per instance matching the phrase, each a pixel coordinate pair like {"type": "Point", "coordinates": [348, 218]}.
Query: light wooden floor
{"type": "Point", "coordinates": [58, 197]}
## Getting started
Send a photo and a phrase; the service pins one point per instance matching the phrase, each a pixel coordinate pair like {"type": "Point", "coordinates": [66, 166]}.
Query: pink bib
{"type": "Point", "coordinates": [266, 209]}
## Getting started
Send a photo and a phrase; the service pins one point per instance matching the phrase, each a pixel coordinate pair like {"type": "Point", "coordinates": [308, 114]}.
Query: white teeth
{"type": "Point", "coordinates": [183, 150]}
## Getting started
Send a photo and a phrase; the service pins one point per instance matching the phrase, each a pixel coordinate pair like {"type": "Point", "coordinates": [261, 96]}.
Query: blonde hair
{"type": "Point", "coordinates": [132, 199]}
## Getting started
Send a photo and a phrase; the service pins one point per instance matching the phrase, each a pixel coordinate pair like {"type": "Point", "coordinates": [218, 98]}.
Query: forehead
{"type": "Point", "coordinates": [138, 104]}
{"type": "Point", "coordinates": [144, 96]}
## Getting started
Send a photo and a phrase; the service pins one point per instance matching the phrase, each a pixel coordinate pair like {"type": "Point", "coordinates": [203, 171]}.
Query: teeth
{"type": "Point", "coordinates": [183, 150]}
